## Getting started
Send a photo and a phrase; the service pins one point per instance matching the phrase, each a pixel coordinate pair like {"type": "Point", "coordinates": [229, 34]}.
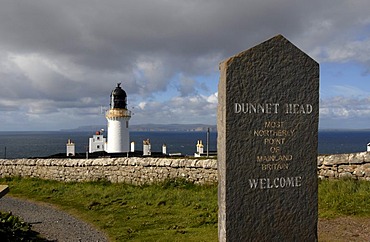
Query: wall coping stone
{"type": "Point", "coordinates": [211, 163]}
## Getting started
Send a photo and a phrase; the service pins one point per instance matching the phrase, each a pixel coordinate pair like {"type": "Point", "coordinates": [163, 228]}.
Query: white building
{"type": "Point", "coordinates": [200, 149]}
{"type": "Point", "coordinates": [118, 122]}
{"type": "Point", "coordinates": [70, 147]}
{"type": "Point", "coordinates": [164, 149]}
{"type": "Point", "coordinates": [147, 148]}
{"type": "Point", "coordinates": [97, 142]}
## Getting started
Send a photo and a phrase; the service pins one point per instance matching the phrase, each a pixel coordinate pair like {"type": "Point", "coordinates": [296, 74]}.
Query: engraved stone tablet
{"type": "Point", "coordinates": [267, 144]}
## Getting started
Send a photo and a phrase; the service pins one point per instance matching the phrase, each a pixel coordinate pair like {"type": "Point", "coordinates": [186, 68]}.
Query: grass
{"type": "Point", "coordinates": [170, 211]}
{"type": "Point", "coordinates": [344, 198]}
{"type": "Point", "coordinates": [174, 210]}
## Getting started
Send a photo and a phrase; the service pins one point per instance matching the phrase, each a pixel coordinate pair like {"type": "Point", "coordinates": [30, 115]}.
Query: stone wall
{"type": "Point", "coordinates": [129, 170]}
{"type": "Point", "coordinates": [148, 170]}
{"type": "Point", "coordinates": [354, 165]}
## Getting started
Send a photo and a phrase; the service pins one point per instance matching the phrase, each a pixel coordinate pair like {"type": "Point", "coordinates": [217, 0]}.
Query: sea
{"type": "Point", "coordinates": [46, 143]}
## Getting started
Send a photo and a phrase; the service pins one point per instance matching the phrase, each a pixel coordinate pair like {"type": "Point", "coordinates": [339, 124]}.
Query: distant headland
{"type": "Point", "coordinates": [151, 127]}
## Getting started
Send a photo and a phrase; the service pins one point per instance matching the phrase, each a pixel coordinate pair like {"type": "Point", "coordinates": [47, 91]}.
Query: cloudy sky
{"type": "Point", "coordinates": [59, 60]}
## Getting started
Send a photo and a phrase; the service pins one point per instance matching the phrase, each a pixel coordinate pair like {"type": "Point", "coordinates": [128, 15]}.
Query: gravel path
{"type": "Point", "coordinates": [52, 224]}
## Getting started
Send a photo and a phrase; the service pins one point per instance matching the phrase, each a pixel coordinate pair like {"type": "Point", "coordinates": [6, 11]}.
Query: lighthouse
{"type": "Point", "coordinates": [118, 140]}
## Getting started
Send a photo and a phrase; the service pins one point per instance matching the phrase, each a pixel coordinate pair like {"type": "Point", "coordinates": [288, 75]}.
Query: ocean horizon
{"type": "Point", "coordinates": [25, 144]}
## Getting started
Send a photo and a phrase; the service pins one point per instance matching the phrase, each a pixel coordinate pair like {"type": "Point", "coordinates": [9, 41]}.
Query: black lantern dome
{"type": "Point", "coordinates": [118, 98]}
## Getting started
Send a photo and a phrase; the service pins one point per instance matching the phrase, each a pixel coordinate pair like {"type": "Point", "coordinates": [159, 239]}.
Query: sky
{"type": "Point", "coordinates": [60, 60]}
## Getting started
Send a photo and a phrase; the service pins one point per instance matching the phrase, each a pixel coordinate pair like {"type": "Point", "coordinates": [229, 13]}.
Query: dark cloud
{"type": "Point", "coordinates": [67, 54]}
{"type": "Point", "coordinates": [187, 87]}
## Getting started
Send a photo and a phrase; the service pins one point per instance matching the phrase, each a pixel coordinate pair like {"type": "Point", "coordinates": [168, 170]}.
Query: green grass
{"type": "Point", "coordinates": [344, 198]}
{"type": "Point", "coordinates": [170, 211]}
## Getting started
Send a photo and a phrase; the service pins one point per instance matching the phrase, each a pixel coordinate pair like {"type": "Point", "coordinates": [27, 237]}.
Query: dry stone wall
{"type": "Point", "coordinates": [149, 170]}
{"type": "Point", "coordinates": [354, 165]}
{"type": "Point", "coordinates": [128, 170]}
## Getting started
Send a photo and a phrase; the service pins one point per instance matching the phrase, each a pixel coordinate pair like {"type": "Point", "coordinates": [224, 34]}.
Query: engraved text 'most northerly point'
{"type": "Point", "coordinates": [272, 133]}
{"type": "Point", "coordinates": [274, 124]}
{"type": "Point", "coordinates": [274, 141]}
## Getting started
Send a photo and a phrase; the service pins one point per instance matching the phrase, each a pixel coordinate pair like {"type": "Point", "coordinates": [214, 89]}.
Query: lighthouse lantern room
{"type": "Point", "coordinates": [118, 122]}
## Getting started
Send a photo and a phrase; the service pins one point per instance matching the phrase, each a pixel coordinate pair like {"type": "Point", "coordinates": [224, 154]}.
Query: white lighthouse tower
{"type": "Point", "coordinates": [118, 117]}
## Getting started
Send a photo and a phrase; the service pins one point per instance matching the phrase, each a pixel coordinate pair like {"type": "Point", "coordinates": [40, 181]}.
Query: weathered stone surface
{"type": "Point", "coordinates": [345, 174]}
{"type": "Point", "coordinates": [356, 158]}
{"type": "Point", "coordinates": [367, 156]}
{"type": "Point", "coordinates": [359, 171]}
{"type": "Point", "coordinates": [133, 170]}
{"type": "Point", "coordinates": [267, 144]}
{"type": "Point", "coordinates": [335, 166]}
{"type": "Point", "coordinates": [336, 159]}
{"type": "Point", "coordinates": [320, 160]}
{"type": "Point", "coordinates": [328, 173]}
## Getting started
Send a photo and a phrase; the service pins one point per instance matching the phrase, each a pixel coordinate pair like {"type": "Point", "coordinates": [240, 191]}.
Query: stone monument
{"type": "Point", "coordinates": [268, 109]}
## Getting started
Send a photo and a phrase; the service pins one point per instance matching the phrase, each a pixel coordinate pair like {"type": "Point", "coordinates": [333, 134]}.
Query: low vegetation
{"type": "Point", "coordinates": [12, 228]}
{"type": "Point", "coordinates": [345, 197]}
{"type": "Point", "coordinates": [170, 211]}
{"type": "Point", "coordinates": [174, 210]}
